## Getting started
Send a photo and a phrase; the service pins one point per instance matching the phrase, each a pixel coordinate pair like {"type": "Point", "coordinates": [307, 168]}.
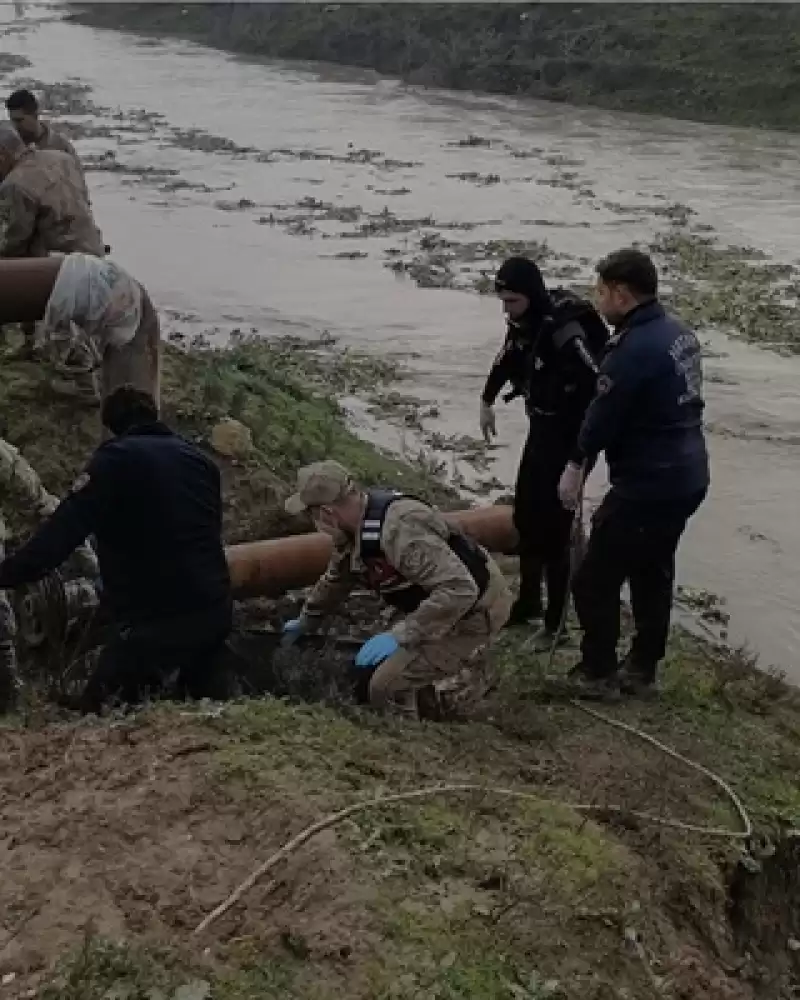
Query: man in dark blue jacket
{"type": "Point", "coordinates": [647, 417]}
{"type": "Point", "coordinates": [152, 502]}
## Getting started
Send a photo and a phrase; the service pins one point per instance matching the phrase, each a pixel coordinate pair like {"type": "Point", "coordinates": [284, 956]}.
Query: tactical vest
{"type": "Point", "coordinates": [385, 579]}
{"type": "Point", "coordinates": [549, 383]}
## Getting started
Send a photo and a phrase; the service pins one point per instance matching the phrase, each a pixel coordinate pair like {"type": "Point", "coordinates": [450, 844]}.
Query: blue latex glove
{"type": "Point", "coordinates": [377, 649]}
{"type": "Point", "coordinates": [292, 630]}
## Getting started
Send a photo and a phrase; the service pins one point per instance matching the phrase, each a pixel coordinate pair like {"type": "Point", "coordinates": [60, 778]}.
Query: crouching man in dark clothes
{"type": "Point", "coordinates": [152, 502]}
{"type": "Point", "coordinates": [647, 417]}
{"type": "Point", "coordinates": [553, 346]}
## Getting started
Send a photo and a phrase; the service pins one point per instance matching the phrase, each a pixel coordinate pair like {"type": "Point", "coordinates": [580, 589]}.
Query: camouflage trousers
{"type": "Point", "coordinates": [136, 363]}
{"type": "Point", "coordinates": [9, 682]}
{"type": "Point", "coordinates": [139, 362]}
{"type": "Point", "coordinates": [455, 665]}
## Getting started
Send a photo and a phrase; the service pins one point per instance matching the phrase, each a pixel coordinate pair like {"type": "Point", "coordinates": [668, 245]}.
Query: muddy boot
{"type": "Point", "coordinates": [584, 684]}
{"type": "Point", "coordinates": [638, 680]}
{"type": "Point", "coordinates": [429, 705]}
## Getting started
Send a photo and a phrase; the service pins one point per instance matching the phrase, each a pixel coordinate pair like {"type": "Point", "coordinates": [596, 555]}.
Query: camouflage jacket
{"type": "Point", "coordinates": [44, 208]}
{"type": "Point", "coordinates": [50, 139]}
{"type": "Point", "coordinates": [414, 542]}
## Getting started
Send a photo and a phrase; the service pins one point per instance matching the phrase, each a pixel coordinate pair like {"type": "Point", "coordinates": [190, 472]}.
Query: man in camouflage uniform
{"type": "Point", "coordinates": [98, 317]}
{"type": "Point", "coordinates": [453, 595]}
{"type": "Point", "coordinates": [44, 202]}
{"type": "Point", "coordinates": [23, 112]}
{"type": "Point", "coordinates": [9, 681]}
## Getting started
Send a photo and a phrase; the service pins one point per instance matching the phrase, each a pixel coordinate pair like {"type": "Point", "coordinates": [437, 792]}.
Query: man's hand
{"type": "Point", "coordinates": [569, 486]}
{"type": "Point", "coordinates": [488, 422]}
{"type": "Point", "coordinates": [293, 630]}
{"type": "Point", "coordinates": [376, 650]}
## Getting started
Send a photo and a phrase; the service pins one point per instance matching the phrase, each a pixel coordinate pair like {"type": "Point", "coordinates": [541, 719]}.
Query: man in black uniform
{"type": "Point", "coordinates": [152, 502]}
{"type": "Point", "coordinates": [550, 357]}
{"type": "Point", "coordinates": [647, 417]}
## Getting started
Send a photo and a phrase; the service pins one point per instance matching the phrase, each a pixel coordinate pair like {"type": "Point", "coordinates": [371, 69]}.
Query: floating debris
{"type": "Point", "coordinates": [473, 177]}
{"type": "Point", "coordinates": [471, 141]}
{"type": "Point", "coordinates": [730, 288]}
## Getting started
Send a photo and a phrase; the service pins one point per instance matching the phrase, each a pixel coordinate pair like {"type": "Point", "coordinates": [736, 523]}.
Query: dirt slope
{"type": "Point", "coordinates": [118, 836]}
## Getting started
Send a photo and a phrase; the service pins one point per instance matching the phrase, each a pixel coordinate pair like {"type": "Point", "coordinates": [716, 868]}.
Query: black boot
{"type": "Point", "coordinates": [638, 679]}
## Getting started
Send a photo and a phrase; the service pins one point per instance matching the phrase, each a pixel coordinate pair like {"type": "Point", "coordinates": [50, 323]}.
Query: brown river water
{"type": "Point", "coordinates": [224, 269]}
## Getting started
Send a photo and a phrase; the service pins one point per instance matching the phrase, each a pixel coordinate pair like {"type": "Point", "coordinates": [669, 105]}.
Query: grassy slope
{"type": "Point", "coordinates": [712, 62]}
{"type": "Point", "coordinates": [280, 389]}
{"type": "Point", "coordinates": [458, 897]}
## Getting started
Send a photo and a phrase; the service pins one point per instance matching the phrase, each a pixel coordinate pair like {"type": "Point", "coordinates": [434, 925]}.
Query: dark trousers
{"type": "Point", "coordinates": [137, 661]}
{"type": "Point", "coordinates": [633, 541]}
{"type": "Point", "coordinates": [542, 523]}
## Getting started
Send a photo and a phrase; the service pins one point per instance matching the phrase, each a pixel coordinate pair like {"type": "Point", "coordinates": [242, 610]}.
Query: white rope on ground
{"type": "Point", "coordinates": [744, 816]}
{"type": "Point", "coordinates": [420, 793]}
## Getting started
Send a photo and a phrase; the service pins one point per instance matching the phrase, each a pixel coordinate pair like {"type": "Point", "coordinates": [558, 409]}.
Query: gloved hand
{"type": "Point", "coordinates": [376, 650]}
{"type": "Point", "coordinates": [292, 630]}
{"type": "Point", "coordinates": [569, 486]}
{"type": "Point", "coordinates": [488, 422]}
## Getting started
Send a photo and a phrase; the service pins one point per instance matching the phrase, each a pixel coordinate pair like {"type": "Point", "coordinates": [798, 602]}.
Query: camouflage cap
{"type": "Point", "coordinates": [319, 484]}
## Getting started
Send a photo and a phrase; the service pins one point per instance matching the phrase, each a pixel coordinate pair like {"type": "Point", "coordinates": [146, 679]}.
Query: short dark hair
{"type": "Point", "coordinates": [633, 268]}
{"type": "Point", "coordinates": [127, 407]}
{"type": "Point", "coordinates": [23, 100]}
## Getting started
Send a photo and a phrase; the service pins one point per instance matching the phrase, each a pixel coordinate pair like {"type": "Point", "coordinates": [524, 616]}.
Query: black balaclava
{"type": "Point", "coordinates": [522, 276]}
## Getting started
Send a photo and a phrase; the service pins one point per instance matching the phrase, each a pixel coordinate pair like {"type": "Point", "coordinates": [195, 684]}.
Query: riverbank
{"type": "Point", "coordinates": [137, 826]}
{"type": "Point", "coordinates": [280, 393]}
{"type": "Point", "coordinates": [710, 62]}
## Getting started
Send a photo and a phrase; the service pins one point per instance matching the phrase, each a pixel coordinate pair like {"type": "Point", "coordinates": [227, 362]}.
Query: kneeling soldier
{"type": "Point", "coordinates": [452, 595]}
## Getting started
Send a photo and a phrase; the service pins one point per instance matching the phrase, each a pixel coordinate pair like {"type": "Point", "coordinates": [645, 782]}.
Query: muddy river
{"type": "Point", "coordinates": [328, 177]}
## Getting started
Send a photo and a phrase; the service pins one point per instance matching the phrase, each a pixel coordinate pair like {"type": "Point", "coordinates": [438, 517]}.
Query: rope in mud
{"type": "Point", "coordinates": [420, 793]}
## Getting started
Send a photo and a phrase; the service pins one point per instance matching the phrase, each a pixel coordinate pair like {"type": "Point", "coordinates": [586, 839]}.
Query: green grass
{"type": "Point", "coordinates": [283, 390]}
{"type": "Point", "coordinates": [709, 62]}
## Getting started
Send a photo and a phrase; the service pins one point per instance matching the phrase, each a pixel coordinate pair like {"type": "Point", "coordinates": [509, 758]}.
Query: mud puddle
{"type": "Point", "coordinates": [387, 165]}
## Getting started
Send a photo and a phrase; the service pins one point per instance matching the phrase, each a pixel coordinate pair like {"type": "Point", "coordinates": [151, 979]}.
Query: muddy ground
{"type": "Point", "coordinates": [120, 835]}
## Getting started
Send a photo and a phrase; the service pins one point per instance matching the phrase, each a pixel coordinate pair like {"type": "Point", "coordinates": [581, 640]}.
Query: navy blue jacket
{"type": "Point", "coordinates": [153, 503]}
{"type": "Point", "coordinates": [647, 415]}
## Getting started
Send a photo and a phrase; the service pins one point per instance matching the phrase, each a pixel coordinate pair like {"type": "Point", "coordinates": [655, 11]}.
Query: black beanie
{"type": "Point", "coordinates": [522, 276]}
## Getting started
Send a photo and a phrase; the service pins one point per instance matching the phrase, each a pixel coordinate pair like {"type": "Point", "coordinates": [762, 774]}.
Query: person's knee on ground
{"type": "Point", "coordinates": [390, 690]}
{"type": "Point", "coordinates": [125, 673]}
{"type": "Point", "coordinates": [209, 673]}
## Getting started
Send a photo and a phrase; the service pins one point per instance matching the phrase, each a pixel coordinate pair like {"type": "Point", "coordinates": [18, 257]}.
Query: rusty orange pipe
{"type": "Point", "coordinates": [25, 287]}
{"type": "Point", "coordinates": [271, 568]}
